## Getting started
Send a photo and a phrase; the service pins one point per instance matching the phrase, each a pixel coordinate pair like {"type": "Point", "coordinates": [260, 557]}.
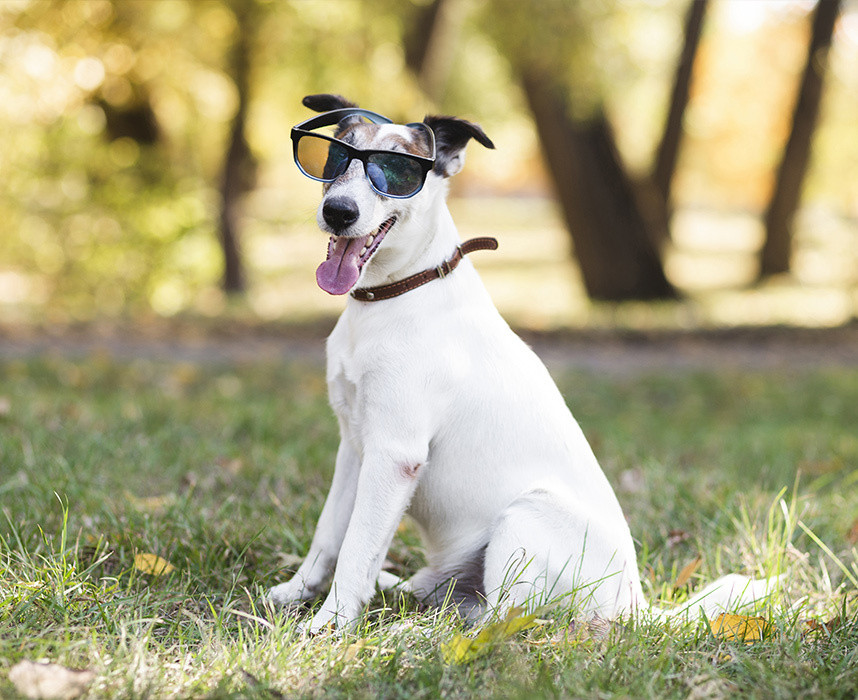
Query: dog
{"type": "Point", "coordinates": [443, 411]}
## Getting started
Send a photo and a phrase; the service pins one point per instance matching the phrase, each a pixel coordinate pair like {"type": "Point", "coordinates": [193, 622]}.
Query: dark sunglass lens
{"type": "Point", "coordinates": [337, 163]}
{"type": "Point", "coordinates": [321, 158]}
{"type": "Point", "coordinates": [376, 177]}
{"type": "Point", "coordinates": [394, 174]}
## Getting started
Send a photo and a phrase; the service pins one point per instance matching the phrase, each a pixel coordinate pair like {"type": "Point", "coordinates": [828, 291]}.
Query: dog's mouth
{"type": "Point", "coordinates": [346, 258]}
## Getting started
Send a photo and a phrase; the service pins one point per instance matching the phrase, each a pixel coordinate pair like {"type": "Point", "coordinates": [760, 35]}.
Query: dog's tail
{"type": "Point", "coordinates": [729, 593]}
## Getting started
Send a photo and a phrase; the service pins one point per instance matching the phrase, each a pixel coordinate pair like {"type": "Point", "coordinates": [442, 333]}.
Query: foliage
{"type": "Point", "coordinates": [105, 218]}
{"type": "Point", "coordinates": [221, 471]}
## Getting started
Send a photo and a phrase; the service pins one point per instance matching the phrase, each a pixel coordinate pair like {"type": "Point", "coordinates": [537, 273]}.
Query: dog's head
{"type": "Point", "coordinates": [359, 218]}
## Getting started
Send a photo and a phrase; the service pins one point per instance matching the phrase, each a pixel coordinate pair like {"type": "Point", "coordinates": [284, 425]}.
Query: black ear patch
{"type": "Point", "coordinates": [326, 102]}
{"type": "Point", "coordinates": [451, 136]}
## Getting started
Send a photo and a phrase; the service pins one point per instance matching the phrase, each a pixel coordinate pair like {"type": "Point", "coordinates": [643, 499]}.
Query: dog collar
{"type": "Point", "coordinates": [394, 289]}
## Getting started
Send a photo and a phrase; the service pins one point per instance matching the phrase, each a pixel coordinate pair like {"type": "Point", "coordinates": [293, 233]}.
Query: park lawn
{"type": "Point", "coordinates": [222, 470]}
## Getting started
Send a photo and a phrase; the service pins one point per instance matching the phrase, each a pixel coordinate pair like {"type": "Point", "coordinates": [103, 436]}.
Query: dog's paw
{"type": "Point", "coordinates": [289, 593]}
{"type": "Point", "coordinates": [334, 615]}
{"type": "Point", "coordinates": [323, 622]}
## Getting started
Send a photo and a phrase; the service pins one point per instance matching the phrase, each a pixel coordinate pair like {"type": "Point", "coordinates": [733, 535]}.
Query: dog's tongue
{"type": "Point", "coordinates": [340, 272]}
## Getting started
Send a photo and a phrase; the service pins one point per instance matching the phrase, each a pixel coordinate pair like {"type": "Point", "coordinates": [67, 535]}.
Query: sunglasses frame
{"type": "Point", "coordinates": [335, 117]}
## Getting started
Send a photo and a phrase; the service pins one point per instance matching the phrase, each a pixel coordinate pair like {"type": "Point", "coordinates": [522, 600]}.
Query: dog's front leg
{"type": "Point", "coordinates": [319, 563]}
{"type": "Point", "coordinates": [385, 487]}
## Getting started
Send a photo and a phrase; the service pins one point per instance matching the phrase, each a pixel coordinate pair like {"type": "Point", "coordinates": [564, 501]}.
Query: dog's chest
{"type": "Point", "coordinates": [354, 363]}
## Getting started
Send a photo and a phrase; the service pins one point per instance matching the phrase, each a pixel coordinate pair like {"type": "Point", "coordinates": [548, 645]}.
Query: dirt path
{"type": "Point", "coordinates": [599, 351]}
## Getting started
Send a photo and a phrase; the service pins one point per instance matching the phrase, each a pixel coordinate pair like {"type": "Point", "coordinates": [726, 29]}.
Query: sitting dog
{"type": "Point", "coordinates": [444, 412]}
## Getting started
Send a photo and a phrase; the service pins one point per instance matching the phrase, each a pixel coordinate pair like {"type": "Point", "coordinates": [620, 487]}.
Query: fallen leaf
{"type": "Point", "coordinates": [152, 564]}
{"type": "Point", "coordinates": [828, 627]}
{"type": "Point", "coordinates": [462, 649]}
{"type": "Point", "coordinates": [687, 572]}
{"type": "Point", "coordinates": [46, 680]}
{"type": "Point", "coordinates": [599, 627]}
{"type": "Point", "coordinates": [5, 406]}
{"type": "Point", "coordinates": [739, 628]}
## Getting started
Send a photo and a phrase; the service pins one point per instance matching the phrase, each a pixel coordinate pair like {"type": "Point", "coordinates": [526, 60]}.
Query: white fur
{"type": "Point", "coordinates": [446, 414]}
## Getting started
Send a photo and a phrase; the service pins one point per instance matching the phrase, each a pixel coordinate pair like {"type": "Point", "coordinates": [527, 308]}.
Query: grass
{"type": "Point", "coordinates": [222, 471]}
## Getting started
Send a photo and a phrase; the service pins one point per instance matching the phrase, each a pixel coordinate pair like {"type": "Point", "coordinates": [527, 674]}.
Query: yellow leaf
{"type": "Point", "coordinates": [739, 628]}
{"type": "Point", "coordinates": [687, 572]}
{"type": "Point", "coordinates": [462, 649]}
{"type": "Point", "coordinates": [152, 564]}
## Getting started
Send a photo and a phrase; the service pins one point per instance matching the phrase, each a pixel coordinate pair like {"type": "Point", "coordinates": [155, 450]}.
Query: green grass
{"type": "Point", "coordinates": [222, 471]}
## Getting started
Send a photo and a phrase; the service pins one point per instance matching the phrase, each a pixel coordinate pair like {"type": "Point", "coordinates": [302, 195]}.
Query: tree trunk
{"type": "Point", "coordinates": [668, 148]}
{"type": "Point", "coordinates": [616, 249]}
{"type": "Point", "coordinates": [430, 44]}
{"type": "Point", "coordinates": [239, 165]}
{"type": "Point", "coordinates": [777, 248]}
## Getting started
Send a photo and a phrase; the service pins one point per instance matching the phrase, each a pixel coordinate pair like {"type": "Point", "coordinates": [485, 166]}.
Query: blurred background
{"type": "Point", "coordinates": [664, 163]}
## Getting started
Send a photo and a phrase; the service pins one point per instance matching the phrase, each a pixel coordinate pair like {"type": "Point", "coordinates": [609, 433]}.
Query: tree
{"type": "Point", "coordinates": [613, 242]}
{"type": "Point", "coordinates": [786, 195]}
{"type": "Point", "coordinates": [428, 42]}
{"type": "Point", "coordinates": [615, 238]}
{"type": "Point", "coordinates": [239, 167]}
{"type": "Point", "coordinates": [668, 148]}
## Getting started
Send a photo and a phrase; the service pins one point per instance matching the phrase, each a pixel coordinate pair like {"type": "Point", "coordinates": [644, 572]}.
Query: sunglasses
{"type": "Point", "coordinates": [390, 173]}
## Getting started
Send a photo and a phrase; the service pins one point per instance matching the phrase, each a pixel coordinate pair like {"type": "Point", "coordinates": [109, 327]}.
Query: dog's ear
{"type": "Point", "coordinates": [451, 136]}
{"type": "Point", "coordinates": [326, 103]}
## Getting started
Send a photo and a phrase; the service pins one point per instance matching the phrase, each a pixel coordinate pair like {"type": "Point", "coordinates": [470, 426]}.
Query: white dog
{"type": "Point", "coordinates": [443, 411]}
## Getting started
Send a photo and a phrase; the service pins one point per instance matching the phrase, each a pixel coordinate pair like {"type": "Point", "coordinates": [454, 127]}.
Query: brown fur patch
{"type": "Point", "coordinates": [363, 135]}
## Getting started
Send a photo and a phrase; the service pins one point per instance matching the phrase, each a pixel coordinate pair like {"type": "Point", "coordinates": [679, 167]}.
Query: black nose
{"type": "Point", "coordinates": [340, 212]}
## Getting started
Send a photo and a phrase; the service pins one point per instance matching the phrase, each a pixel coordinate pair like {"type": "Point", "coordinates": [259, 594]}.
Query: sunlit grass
{"type": "Point", "coordinates": [222, 470]}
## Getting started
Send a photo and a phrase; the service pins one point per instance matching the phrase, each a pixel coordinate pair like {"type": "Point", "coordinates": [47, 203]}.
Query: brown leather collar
{"type": "Point", "coordinates": [394, 289]}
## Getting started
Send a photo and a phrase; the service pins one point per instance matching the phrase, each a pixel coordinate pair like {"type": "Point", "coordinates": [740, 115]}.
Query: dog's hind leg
{"type": "Point", "coordinates": [458, 587]}
{"type": "Point", "coordinates": [547, 548]}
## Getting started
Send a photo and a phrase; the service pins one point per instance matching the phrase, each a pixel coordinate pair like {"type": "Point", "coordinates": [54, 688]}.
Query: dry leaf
{"type": "Point", "coordinates": [45, 680]}
{"type": "Point", "coordinates": [739, 628]}
{"type": "Point", "coordinates": [152, 564]}
{"type": "Point", "coordinates": [687, 572]}
{"type": "Point", "coordinates": [827, 627]}
{"type": "Point", "coordinates": [5, 406]}
{"type": "Point", "coordinates": [599, 627]}
{"type": "Point", "coordinates": [462, 649]}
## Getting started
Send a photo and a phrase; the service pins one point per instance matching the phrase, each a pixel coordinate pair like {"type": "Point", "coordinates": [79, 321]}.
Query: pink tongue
{"type": "Point", "coordinates": [340, 272]}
